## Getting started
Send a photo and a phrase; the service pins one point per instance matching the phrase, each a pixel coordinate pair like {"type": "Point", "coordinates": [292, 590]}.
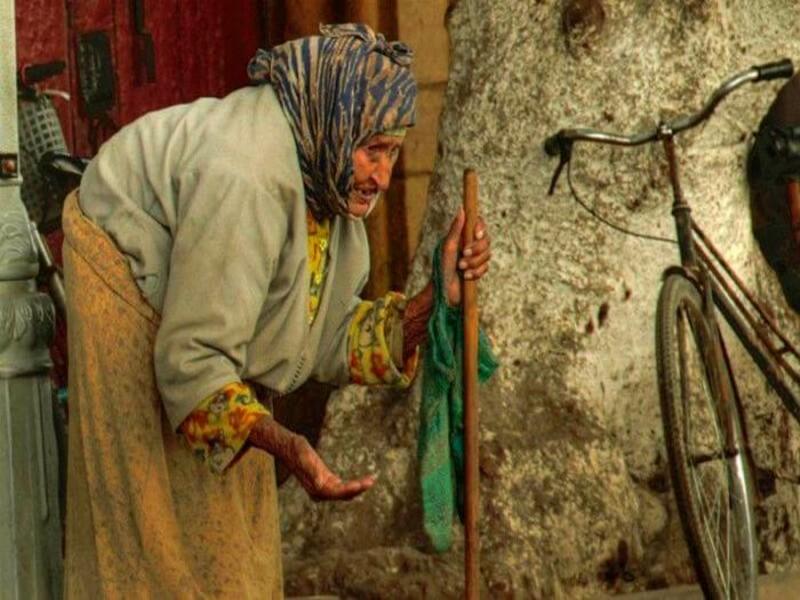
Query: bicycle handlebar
{"type": "Point", "coordinates": [560, 144]}
{"type": "Point", "coordinates": [777, 70]}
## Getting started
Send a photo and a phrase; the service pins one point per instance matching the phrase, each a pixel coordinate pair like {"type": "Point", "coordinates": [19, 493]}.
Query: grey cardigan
{"type": "Point", "coordinates": [206, 202]}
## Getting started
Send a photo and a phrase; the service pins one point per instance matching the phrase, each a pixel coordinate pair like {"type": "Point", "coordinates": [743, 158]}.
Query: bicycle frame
{"type": "Point", "coordinates": [750, 320]}
{"type": "Point", "coordinates": [720, 285]}
{"type": "Point", "coordinates": [755, 327]}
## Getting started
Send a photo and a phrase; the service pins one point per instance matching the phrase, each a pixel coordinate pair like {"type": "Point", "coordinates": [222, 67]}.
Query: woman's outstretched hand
{"type": "Point", "coordinates": [473, 261]}
{"type": "Point", "coordinates": [317, 479]}
{"type": "Point", "coordinates": [304, 463]}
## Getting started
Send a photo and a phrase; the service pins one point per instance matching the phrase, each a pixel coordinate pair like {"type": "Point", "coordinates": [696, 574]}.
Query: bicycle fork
{"type": "Point", "coordinates": [681, 211]}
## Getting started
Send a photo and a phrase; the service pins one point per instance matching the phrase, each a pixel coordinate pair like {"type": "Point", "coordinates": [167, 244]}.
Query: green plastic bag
{"type": "Point", "coordinates": [441, 432]}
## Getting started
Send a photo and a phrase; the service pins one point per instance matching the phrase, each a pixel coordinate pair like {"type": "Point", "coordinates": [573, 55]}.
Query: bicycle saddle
{"type": "Point", "coordinates": [775, 156]}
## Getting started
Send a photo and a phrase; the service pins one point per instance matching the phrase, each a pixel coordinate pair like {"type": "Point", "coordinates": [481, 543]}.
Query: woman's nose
{"type": "Point", "coordinates": [383, 173]}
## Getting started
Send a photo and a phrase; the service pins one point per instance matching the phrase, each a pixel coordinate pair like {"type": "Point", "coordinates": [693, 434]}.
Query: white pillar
{"type": "Point", "coordinates": [30, 530]}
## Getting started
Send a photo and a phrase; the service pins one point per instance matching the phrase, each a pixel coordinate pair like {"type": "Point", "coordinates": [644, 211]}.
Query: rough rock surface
{"type": "Point", "coordinates": [575, 493]}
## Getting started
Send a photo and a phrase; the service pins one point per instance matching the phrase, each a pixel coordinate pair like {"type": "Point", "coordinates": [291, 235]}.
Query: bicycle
{"type": "Point", "coordinates": [700, 404]}
{"type": "Point", "coordinates": [48, 170]}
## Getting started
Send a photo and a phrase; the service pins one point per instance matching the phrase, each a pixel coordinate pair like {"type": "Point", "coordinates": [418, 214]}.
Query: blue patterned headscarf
{"type": "Point", "coordinates": [337, 89]}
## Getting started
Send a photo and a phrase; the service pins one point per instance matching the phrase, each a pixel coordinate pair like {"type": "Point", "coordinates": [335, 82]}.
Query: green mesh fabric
{"type": "Point", "coordinates": [441, 430]}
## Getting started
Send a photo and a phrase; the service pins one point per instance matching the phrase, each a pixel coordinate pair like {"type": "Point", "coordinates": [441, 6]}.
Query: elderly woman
{"type": "Point", "coordinates": [214, 256]}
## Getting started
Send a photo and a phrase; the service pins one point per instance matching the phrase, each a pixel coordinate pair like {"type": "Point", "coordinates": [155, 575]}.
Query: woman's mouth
{"type": "Point", "coordinates": [365, 195]}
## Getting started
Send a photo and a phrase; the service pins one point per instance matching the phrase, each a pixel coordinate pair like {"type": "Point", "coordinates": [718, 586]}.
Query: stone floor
{"type": "Point", "coordinates": [778, 586]}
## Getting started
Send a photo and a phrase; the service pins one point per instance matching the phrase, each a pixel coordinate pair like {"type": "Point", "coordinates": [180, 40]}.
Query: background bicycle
{"type": "Point", "coordinates": [48, 173]}
{"type": "Point", "coordinates": [700, 403]}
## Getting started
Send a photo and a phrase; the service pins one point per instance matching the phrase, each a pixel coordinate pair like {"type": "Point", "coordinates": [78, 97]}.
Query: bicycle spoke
{"type": "Point", "coordinates": [707, 524]}
{"type": "Point", "coordinates": [711, 511]}
{"type": "Point", "coordinates": [729, 539]}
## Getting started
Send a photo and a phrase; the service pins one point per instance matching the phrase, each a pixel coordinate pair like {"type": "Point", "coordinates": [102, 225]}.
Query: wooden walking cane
{"type": "Point", "coordinates": [469, 298]}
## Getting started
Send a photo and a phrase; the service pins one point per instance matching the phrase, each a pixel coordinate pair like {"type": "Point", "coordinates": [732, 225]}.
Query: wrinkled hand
{"type": "Point", "coordinates": [473, 261]}
{"type": "Point", "coordinates": [317, 479]}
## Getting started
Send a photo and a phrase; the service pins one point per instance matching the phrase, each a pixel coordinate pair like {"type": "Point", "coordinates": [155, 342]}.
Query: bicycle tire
{"type": "Point", "coordinates": [713, 486]}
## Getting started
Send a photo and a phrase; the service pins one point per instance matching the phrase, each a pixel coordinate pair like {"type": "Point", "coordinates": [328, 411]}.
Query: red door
{"type": "Point", "coordinates": [175, 51]}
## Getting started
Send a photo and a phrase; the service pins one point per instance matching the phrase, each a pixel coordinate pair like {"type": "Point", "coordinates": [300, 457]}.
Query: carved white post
{"type": "Point", "coordinates": [30, 530]}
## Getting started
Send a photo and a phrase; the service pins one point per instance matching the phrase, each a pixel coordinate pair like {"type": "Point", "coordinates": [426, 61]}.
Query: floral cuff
{"type": "Point", "coordinates": [375, 343]}
{"type": "Point", "coordinates": [218, 428]}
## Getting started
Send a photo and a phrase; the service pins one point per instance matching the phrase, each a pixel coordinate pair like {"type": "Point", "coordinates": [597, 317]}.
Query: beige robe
{"type": "Point", "coordinates": [145, 519]}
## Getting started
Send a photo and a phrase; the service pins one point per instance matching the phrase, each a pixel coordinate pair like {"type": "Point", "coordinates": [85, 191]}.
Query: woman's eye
{"type": "Point", "coordinates": [377, 152]}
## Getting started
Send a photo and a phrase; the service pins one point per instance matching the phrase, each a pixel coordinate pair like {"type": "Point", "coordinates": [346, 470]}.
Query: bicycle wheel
{"type": "Point", "coordinates": [711, 478]}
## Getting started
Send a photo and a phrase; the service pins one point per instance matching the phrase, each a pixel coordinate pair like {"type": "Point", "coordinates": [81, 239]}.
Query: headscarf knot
{"type": "Point", "coordinates": [399, 52]}
{"type": "Point", "coordinates": [260, 66]}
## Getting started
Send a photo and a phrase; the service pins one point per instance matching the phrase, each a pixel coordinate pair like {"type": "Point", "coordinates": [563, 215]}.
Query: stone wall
{"type": "Point", "coordinates": [575, 493]}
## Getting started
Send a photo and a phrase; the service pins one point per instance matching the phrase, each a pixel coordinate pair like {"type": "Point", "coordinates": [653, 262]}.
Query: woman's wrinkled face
{"type": "Point", "coordinates": [373, 162]}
